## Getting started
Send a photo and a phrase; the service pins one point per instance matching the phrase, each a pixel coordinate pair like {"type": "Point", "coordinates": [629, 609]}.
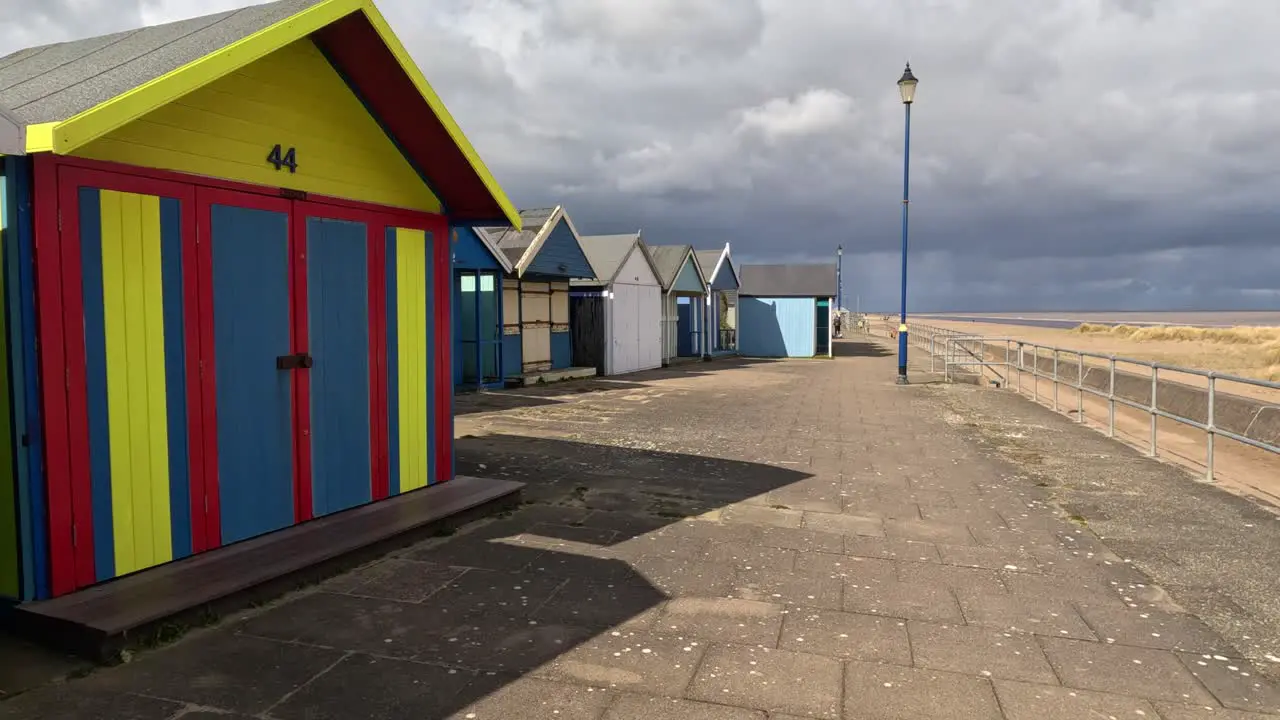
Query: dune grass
{"type": "Point", "coordinates": [1258, 347]}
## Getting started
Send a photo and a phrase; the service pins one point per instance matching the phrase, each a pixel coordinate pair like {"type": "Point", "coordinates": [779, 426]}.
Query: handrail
{"type": "Point", "coordinates": [951, 347]}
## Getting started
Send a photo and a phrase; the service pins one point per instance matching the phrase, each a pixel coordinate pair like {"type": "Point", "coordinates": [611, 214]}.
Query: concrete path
{"type": "Point", "coordinates": [722, 541]}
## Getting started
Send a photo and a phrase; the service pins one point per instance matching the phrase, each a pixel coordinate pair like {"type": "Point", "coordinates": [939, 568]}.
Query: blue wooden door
{"type": "Point", "coordinates": [337, 271]}
{"type": "Point", "coordinates": [466, 371]}
{"type": "Point", "coordinates": [684, 329]}
{"type": "Point", "coordinates": [250, 266]}
{"type": "Point", "coordinates": [822, 327]}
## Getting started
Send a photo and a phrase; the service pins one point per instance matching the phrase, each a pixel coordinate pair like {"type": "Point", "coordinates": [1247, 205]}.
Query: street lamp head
{"type": "Point", "coordinates": [907, 86]}
{"type": "Point", "coordinates": [839, 249]}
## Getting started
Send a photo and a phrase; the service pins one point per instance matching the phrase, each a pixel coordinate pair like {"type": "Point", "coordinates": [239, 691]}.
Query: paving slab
{"type": "Point", "coordinates": [785, 588]}
{"type": "Point", "coordinates": [1034, 615]}
{"type": "Point", "coordinates": [770, 680]}
{"type": "Point", "coordinates": [745, 622]}
{"type": "Point", "coordinates": [979, 651]}
{"type": "Point", "coordinates": [647, 707]}
{"type": "Point", "coordinates": [889, 692]}
{"type": "Point", "coordinates": [683, 578]}
{"type": "Point", "coordinates": [591, 604]}
{"type": "Point", "coordinates": [1027, 701]}
{"type": "Point", "coordinates": [845, 523]}
{"type": "Point", "coordinates": [848, 636]}
{"type": "Point", "coordinates": [952, 576]}
{"type": "Point", "coordinates": [889, 549]}
{"type": "Point", "coordinates": [656, 663]}
{"type": "Point", "coordinates": [1141, 672]}
{"type": "Point", "coordinates": [56, 701]}
{"type": "Point", "coordinates": [232, 672]}
{"type": "Point", "coordinates": [532, 698]}
{"type": "Point", "coordinates": [749, 557]}
{"type": "Point", "coordinates": [848, 567]}
{"type": "Point", "coordinates": [914, 601]}
{"type": "Point", "coordinates": [1235, 682]}
{"type": "Point", "coordinates": [989, 558]}
{"type": "Point", "coordinates": [1154, 629]}
{"type": "Point", "coordinates": [939, 531]}
{"type": "Point", "coordinates": [377, 689]}
{"type": "Point", "coordinates": [350, 623]}
{"type": "Point", "coordinates": [513, 593]}
{"type": "Point", "coordinates": [1176, 711]}
{"type": "Point", "coordinates": [802, 540]}
{"type": "Point", "coordinates": [399, 579]}
{"type": "Point", "coordinates": [763, 515]}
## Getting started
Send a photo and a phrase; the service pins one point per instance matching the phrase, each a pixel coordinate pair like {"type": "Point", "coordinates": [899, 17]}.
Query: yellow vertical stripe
{"type": "Point", "coordinates": [136, 400]}
{"type": "Point", "coordinates": [411, 336]}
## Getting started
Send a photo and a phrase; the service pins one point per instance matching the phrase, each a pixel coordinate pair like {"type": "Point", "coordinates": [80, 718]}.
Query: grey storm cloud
{"type": "Point", "coordinates": [1065, 153]}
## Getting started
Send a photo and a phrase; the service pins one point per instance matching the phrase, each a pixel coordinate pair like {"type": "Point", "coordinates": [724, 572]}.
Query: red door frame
{"type": "Point", "coordinates": [60, 311]}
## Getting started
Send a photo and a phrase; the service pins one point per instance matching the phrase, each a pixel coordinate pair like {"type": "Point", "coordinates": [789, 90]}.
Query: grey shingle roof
{"type": "Point", "coordinates": [708, 259]}
{"type": "Point", "coordinates": [669, 259]}
{"type": "Point", "coordinates": [510, 239]}
{"type": "Point", "coordinates": [788, 280]}
{"type": "Point", "coordinates": [54, 82]}
{"type": "Point", "coordinates": [606, 253]}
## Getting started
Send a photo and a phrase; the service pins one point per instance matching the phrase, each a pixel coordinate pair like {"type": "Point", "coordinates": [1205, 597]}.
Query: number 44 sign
{"type": "Point", "coordinates": [281, 158]}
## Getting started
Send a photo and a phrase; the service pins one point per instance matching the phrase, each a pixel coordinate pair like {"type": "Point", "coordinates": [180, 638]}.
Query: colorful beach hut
{"type": "Point", "coordinates": [228, 238]}
{"type": "Point", "coordinates": [722, 310]}
{"type": "Point", "coordinates": [617, 318]}
{"type": "Point", "coordinates": [684, 299]}
{"type": "Point", "coordinates": [545, 254]}
{"type": "Point", "coordinates": [785, 310]}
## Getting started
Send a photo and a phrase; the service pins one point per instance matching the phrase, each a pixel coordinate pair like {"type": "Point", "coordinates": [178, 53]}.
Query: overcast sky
{"type": "Point", "coordinates": [1066, 154]}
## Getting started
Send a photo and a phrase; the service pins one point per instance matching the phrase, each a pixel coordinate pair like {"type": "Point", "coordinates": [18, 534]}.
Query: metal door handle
{"type": "Point", "coordinates": [295, 361]}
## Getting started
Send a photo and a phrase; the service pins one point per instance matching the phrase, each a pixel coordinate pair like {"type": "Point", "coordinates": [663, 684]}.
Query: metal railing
{"type": "Point", "coordinates": [1062, 367]}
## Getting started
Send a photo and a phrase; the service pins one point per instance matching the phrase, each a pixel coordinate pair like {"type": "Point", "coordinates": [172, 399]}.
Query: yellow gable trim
{"type": "Point", "coordinates": [40, 137]}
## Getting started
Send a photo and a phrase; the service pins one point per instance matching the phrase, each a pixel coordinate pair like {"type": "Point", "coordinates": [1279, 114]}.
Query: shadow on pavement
{"type": "Point", "coordinates": [857, 347]}
{"type": "Point", "coordinates": [473, 625]}
{"type": "Point", "coordinates": [467, 403]}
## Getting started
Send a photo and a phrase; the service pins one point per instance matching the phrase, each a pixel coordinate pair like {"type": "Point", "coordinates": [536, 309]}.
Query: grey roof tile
{"type": "Point", "coordinates": [788, 280]}
{"type": "Point", "coordinates": [606, 253]}
{"type": "Point", "coordinates": [669, 259]}
{"type": "Point", "coordinates": [509, 238]}
{"type": "Point", "coordinates": [55, 82]}
{"type": "Point", "coordinates": [708, 260]}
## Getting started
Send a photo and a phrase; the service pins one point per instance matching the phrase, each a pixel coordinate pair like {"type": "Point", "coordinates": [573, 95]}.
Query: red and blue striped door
{"type": "Point", "coordinates": [189, 418]}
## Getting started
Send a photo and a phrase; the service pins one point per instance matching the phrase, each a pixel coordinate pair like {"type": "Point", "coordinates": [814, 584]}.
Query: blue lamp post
{"type": "Point", "coordinates": [907, 88]}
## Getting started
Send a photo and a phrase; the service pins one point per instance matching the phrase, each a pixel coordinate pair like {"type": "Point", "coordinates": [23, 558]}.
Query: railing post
{"type": "Point", "coordinates": [1210, 432]}
{"type": "Point", "coordinates": [1155, 386]}
{"type": "Point", "coordinates": [1035, 372]}
{"type": "Point", "coordinates": [1022, 358]}
{"type": "Point", "coordinates": [1055, 379]}
{"type": "Point", "coordinates": [1111, 400]}
{"type": "Point", "coordinates": [1008, 364]}
{"type": "Point", "coordinates": [1080, 387]}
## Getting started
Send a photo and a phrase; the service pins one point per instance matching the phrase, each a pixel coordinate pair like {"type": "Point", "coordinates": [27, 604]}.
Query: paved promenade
{"type": "Point", "coordinates": [743, 541]}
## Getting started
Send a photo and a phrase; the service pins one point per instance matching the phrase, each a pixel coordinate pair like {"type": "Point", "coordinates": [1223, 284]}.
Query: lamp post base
{"type": "Point", "coordinates": [902, 379]}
